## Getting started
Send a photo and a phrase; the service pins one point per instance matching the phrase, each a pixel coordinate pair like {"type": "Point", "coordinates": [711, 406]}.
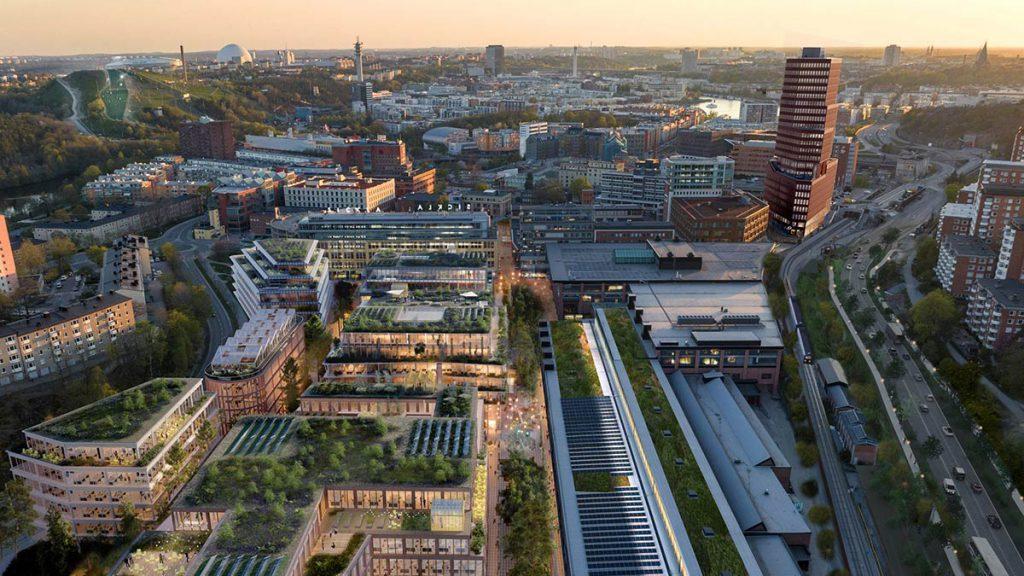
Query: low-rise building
{"type": "Point", "coordinates": [995, 311]}
{"type": "Point", "coordinates": [496, 203]}
{"type": "Point", "coordinates": [284, 273]}
{"type": "Point", "coordinates": [963, 260]}
{"type": "Point", "coordinates": [736, 217]}
{"type": "Point", "coordinates": [135, 447]}
{"type": "Point", "coordinates": [63, 341]}
{"type": "Point", "coordinates": [752, 157]}
{"type": "Point", "coordinates": [114, 221]}
{"type": "Point", "coordinates": [341, 193]}
{"type": "Point", "coordinates": [246, 372]}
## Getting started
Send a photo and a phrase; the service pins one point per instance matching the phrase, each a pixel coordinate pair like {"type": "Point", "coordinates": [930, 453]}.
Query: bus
{"type": "Point", "coordinates": [985, 558]}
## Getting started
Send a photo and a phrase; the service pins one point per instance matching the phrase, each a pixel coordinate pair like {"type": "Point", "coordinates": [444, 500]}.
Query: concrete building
{"type": "Point", "coordinates": [995, 311]}
{"type": "Point", "coordinates": [801, 179]}
{"type": "Point", "coordinates": [352, 240]}
{"type": "Point", "coordinates": [526, 131]}
{"type": "Point", "coordinates": [496, 203]}
{"type": "Point", "coordinates": [752, 157]}
{"type": "Point", "coordinates": [735, 217]}
{"type": "Point", "coordinates": [845, 149]}
{"type": "Point", "coordinates": [64, 341]}
{"type": "Point", "coordinates": [697, 176]}
{"type": "Point", "coordinates": [207, 138]}
{"type": "Point", "coordinates": [108, 223]}
{"type": "Point", "coordinates": [8, 270]}
{"type": "Point", "coordinates": [963, 260]}
{"type": "Point", "coordinates": [759, 112]}
{"type": "Point", "coordinates": [996, 204]}
{"type": "Point", "coordinates": [284, 273]}
{"type": "Point", "coordinates": [494, 59]}
{"type": "Point", "coordinates": [341, 193]}
{"type": "Point", "coordinates": [644, 186]}
{"type": "Point", "coordinates": [689, 59]}
{"type": "Point", "coordinates": [591, 170]}
{"type": "Point", "coordinates": [128, 268]}
{"type": "Point", "coordinates": [246, 371]}
{"type": "Point", "coordinates": [911, 167]}
{"type": "Point", "coordinates": [1010, 265]}
{"type": "Point", "coordinates": [90, 461]}
{"type": "Point", "coordinates": [892, 56]}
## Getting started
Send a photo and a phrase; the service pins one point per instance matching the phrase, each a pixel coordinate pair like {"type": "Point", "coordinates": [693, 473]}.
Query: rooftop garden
{"type": "Point", "coordinates": [116, 417]}
{"type": "Point", "coordinates": [269, 495]}
{"type": "Point", "coordinates": [333, 564]}
{"type": "Point", "coordinates": [329, 388]}
{"type": "Point", "coordinates": [286, 249]}
{"type": "Point", "coordinates": [600, 481]}
{"type": "Point", "coordinates": [577, 376]}
{"type": "Point", "coordinates": [716, 554]}
{"type": "Point", "coordinates": [466, 320]}
{"type": "Point", "coordinates": [454, 402]}
{"type": "Point", "coordinates": [385, 259]}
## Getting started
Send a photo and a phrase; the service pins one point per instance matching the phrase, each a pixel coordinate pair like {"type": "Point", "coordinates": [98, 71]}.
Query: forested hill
{"type": "Point", "coordinates": [993, 123]}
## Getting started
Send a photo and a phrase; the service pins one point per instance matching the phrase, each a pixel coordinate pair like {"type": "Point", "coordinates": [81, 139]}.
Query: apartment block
{"type": "Point", "coordinates": [63, 341]}
{"type": "Point", "coordinates": [963, 260]}
{"type": "Point", "coordinates": [955, 220]}
{"type": "Point", "coordinates": [8, 270]}
{"type": "Point", "coordinates": [134, 447]}
{"type": "Point", "coordinates": [995, 311]}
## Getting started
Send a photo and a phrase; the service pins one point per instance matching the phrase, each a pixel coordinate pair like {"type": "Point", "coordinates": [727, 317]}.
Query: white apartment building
{"type": "Point", "coordinates": [527, 129]}
{"type": "Point", "coordinates": [343, 193]}
{"type": "Point", "coordinates": [697, 176]}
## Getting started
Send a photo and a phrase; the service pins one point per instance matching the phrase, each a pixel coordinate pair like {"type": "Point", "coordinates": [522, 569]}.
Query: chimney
{"type": "Point", "coordinates": [184, 66]}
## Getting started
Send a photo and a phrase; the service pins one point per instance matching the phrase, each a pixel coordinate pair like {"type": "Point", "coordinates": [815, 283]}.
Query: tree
{"type": "Point", "coordinates": [29, 258]}
{"type": "Point", "coordinates": [95, 386]}
{"type": "Point", "coordinates": [826, 543]}
{"type": "Point", "coordinates": [130, 524]}
{"type": "Point", "coordinates": [890, 235]}
{"type": "Point", "coordinates": [95, 253]}
{"type": "Point", "coordinates": [932, 447]}
{"type": "Point", "coordinates": [16, 513]}
{"type": "Point", "coordinates": [809, 488]}
{"type": "Point", "coordinates": [290, 375]}
{"type": "Point", "coordinates": [576, 188]}
{"type": "Point", "coordinates": [935, 316]}
{"type": "Point", "coordinates": [548, 191]}
{"type": "Point", "coordinates": [820, 514]}
{"type": "Point", "coordinates": [169, 252]}
{"type": "Point", "coordinates": [60, 249]}
{"type": "Point", "coordinates": [58, 533]}
{"type": "Point", "coordinates": [808, 453]}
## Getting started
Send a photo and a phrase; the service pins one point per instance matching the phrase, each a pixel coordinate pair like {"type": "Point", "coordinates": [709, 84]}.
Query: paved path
{"type": "Point", "coordinates": [76, 108]}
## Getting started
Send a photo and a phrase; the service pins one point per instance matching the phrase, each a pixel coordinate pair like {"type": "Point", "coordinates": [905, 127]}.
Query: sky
{"type": "Point", "coordinates": [53, 27]}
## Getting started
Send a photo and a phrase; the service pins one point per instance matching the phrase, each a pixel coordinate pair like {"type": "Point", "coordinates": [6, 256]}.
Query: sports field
{"type": "Point", "coordinates": [115, 95]}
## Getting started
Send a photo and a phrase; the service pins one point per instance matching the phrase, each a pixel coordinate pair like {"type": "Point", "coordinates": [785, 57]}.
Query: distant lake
{"type": "Point", "coordinates": [725, 107]}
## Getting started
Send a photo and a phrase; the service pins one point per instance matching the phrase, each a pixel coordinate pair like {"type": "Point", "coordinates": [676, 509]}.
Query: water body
{"type": "Point", "coordinates": [724, 107]}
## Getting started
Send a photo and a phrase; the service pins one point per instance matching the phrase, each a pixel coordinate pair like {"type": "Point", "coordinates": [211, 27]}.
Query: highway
{"type": "Point", "coordinates": [914, 390]}
{"type": "Point", "coordinates": [219, 326]}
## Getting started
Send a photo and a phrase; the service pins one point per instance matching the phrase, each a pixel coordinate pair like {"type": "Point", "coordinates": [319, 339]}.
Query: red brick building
{"type": "Point", "coordinates": [739, 217]}
{"type": "Point", "coordinates": [385, 159]}
{"type": "Point", "coordinates": [963, 260]}
{"type": "Point", "coordinates": [802, 176]}
{"type": "Point", "coordinates": [207, 138]}
{"type": "Point", "coordinates": [752, 157]}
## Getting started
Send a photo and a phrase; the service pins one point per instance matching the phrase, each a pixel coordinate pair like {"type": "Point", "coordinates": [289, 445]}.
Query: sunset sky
{"type": "Point", "coordinates": [121, 26]}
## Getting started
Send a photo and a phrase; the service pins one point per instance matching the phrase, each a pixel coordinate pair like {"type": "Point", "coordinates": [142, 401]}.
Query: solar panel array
{"type": "Point", "coordinates": [617, 534]}
{"type": "Point", "coordinates": [595, 441]}
{"type": "Point", "coordinates": [260, 436]}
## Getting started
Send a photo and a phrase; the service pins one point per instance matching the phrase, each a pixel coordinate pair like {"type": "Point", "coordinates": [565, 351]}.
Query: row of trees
{"type": "Point", "coordinates": [524, 313]}
{"type": "Point", "coordinates": [525, 506]}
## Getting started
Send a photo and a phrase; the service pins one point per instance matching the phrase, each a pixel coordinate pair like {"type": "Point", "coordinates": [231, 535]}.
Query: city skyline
{"type": "Point", "coordinates": [527, 23]}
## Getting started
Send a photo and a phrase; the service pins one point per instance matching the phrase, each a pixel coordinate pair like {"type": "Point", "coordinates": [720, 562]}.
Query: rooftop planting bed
{"type": "Point", "coordinates": [286, 249]}
{"type": "Point", "coordinates": [468, 319]}
{"type": "Point", "coordinates": [117, 417]}
{"type": "Point", "coordinates": [577, 376]}
{"type": "Point", "coordinates": [716, 554]}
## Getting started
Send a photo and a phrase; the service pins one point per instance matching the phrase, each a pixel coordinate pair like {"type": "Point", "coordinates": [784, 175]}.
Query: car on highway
{"type": "Point", "coordinates": [863, 290]}
{"type": "Point", "coordinates": [923, 408]}
{"type": "Point", "coordinates": [849, 266]}
{"type": "Point", "coordinates": [949, 486]}
{"type": "Point", "coordinates": [947, 431]}
{"type": "Point", "coordinates": [861, 276]}
{"type": "Point", "coordinates": [976, 488]}
{"type": "Point", "coordinates": [930, 397]}
{"type": "Point", "coordinates": [994, 521]}
{"type": "Point", "coordinates": [919, 378]}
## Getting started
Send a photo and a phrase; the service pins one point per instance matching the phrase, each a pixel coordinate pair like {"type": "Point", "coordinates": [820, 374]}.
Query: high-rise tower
{"type": "Point", "coordinates": [801, 176]}
{"type": "Point", "coordinates": [575, 62]}
{"type": "Point", "coordinates": [358, 57]}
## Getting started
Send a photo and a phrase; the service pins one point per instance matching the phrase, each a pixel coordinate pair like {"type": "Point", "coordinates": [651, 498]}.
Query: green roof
{"type": "Point", "coordinates": [286, 249]}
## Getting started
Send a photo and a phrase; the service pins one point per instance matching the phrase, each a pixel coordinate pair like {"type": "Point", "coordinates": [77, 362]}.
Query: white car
{"type": "Point", "coordinates": [849, 266]}
{"type": "Point", "coordinates": [947, 431]}
{"type": "Point", "coordinates": [949, 486]}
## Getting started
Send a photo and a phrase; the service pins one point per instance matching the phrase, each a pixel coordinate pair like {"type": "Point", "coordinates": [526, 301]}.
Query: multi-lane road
{"type": "Point", "coordinates": [924, 416]}
{"type": "Point", "coordinates": [913, 388]}
{"type": "Point", "coordinates": [219, 326]}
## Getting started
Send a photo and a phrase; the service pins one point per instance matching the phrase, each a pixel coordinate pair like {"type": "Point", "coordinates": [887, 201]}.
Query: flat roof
{"type": "Point", "coordinates": [831, 371]}
{"type": "Point", "coordinates": [961, 245]}
{"type": "Point", "coordinates": [590, 262]}
{"type": "Point", "coordinates": [259, 336]}
{"type": "Point", "coordinates": [721, 207]}
{"type": "Point", "coordinates": [1006, 293]}
{"type": "Point", "coordinates": [62, 314]}
{"type": "Point", "coordinates": [690, 314]}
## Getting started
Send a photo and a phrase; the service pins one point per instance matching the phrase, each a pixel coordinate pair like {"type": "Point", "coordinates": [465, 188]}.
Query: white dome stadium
{"type": "Point", "coordinates": [234, 54]}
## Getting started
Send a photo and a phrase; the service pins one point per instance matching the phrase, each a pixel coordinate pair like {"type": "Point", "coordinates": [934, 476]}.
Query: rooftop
{"type": "Point", "coordinates": [1006, 293]}
{"type": "Point", "coordinates": [690, 314]}
{"type": "Point", "coordinates": [253, 342]}
{"type": "Point", "coordinates": [968, 246]}
{"type": "Point", "coordinates": [739, 205]}
{"type": "Point", "coordinates": [62, 314]}
{"type": "Point", "coordinates": [719, 262]}
{"type": "Point", "coordinates": [286, 250]}
{"type": "Point", "coordinates": [119, 417]}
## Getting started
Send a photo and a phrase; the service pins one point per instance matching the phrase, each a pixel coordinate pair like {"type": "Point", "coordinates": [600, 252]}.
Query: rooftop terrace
{"type": "Point", "coordinates": [119, 417]}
